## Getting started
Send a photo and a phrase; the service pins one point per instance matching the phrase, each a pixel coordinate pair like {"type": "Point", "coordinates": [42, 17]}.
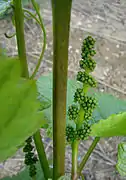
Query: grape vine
{"type": "Point", "coordinates": [81, 111]}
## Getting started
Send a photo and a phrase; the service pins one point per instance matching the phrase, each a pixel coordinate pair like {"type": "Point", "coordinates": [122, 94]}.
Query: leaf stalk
{"type": "Point", "coordinates": [42, 155]}
{"type": "Point", "coordinates": [87, 155]}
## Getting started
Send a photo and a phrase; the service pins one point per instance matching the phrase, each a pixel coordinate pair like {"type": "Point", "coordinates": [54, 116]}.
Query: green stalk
{"type": "Point", "coordinates": [75, 159]}
{"type": "Point", "coordinates": [42, 155]}
{"type": "Point", "coordinates": [61, 11]}
{"type": "Point", "coordinates": [34, 178]}
{"type": "Point", "coordinates": [87, 155]}
{"type": "Point", "coordinates": [19, 24]}
{"type": "Point", "coordinates": [35, 5]}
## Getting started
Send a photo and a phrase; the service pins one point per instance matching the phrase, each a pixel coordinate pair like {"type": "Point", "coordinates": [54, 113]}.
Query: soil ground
{"type": "Point", "coordinates": [106, 21]}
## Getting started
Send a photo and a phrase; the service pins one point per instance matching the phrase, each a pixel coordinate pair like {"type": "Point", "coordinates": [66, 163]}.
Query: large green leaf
{"type": "Point", "coordinates": [19, 106]}
{"type": "Point", "coordinates": [5, 8]}
{"type": "Point", "coordinates": [107, 104]}
{"type": "Point", "coordinates": [114, 125]}
{"type": "Point", "coordinates": [121, 164]}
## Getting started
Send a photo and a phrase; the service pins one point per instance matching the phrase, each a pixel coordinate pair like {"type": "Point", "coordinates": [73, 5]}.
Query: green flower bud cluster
{"type": "Point", "coordinates": [83, 132]}
{"type": "Point", "coordinates": [87, 62]}
{"type": "Point", "coordinates": [89, 103]}
{"type": "Point", "coordinates": [70, 134]}
{"type": "Point", "coordinates": [30, 158]}
{"type": "Point", "coordinates": [84, 105]}
{"type": "Point", "coordinates": [79, 95]}
{"type": "Point", "coordinates": [73, 112]}
{"type": "Point", "coordinates": [86, 79]}
{"type": "Point", "coordinates": [88, 114]}
{"type": "Point", "coordinates": [77, 134]}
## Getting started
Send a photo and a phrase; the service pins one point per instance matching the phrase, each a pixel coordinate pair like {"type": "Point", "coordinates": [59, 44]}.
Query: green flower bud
{"type": "Point", "coordinates": [86, 79]}
{"type": "Point", "coordinates": [73, 112]}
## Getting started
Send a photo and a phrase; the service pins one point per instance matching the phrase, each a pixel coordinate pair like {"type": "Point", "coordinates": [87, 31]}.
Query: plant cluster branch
{"type": "Point", "coordinates": [75, 160]}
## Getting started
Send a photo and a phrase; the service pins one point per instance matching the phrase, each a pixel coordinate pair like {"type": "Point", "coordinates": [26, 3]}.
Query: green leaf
{"type": "Point", "coordinates": [107, 104]}
{"type": "Point", "coordinates": [5, 8]}
{"type": "Point", "coordinates": [121, 164]}
{"type": "Point", "coordinates": [24, 175]}
{"type": "Point", "coordinates": [19, 106]}
{"type": "Point", "coordinates": [44, 84]}
{"type": "Point", "coordinates": [45, 103]}
{"type": "Point", "coordinates": [115, 125]}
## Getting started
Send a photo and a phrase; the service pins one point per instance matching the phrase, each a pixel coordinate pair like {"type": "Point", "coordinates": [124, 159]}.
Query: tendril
{"type": "Point", "coordinates": [9, 36]}
{"type": "Point", "coordinates": [32, 15]}
{"type": "Point", "coordinates": [40, 22]}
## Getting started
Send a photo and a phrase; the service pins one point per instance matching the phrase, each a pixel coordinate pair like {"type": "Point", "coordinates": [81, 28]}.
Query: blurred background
{"type": "Point", "coordinates": [105, 20]}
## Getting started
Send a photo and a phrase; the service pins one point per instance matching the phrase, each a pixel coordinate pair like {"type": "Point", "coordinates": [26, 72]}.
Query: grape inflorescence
{"type": "Point", "coordinates": [77, 134]}
{"type": "Point", "coordinates": [30, 157]}
{"type": "Point", "coordinates": [82, 101]}
{"type": "Point", "coordinates": [86, 79]}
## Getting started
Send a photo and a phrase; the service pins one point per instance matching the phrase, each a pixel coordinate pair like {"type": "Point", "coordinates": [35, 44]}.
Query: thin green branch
{"type": "Point", "coordinates": [34, 178]}
{"type": "Point", "coordinates": [82, 176]}
{"type": "Point", "coordinates": [32, 15]}
{"type": "Point", "coordinates": [74, 159]}
{"type": "Point", "coordinates": [35, 5]}
{"type": "Point", "coordinates": [61, 11]}
{"type": "Point", "coordinates": [87, 155]}
{"type": "Point", "coordinates": [42, 155]}
{"type": "Point", "coordinates": [19, 24]}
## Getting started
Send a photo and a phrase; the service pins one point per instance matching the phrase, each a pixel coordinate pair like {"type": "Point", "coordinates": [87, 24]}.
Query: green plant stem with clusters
{"type": "Point", "coordinates": [75, 159]}
{"type": "Point", "coordinates": [61, 11]}
{"type": "Point", "coordinates": [19, 24]}
{"type": "Point", "coordinates": [81, 111]}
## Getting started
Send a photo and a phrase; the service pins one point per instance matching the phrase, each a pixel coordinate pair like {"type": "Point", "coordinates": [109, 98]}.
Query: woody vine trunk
{"type": "Point", "coordinates": [61, 24]}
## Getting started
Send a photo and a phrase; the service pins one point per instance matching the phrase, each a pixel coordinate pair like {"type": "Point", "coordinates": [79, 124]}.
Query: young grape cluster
{"type": "Point", "coordinates": [87, 63]}
{"type": "Point", "coordinates": [83, 132]}
{"type": "Point", "coordinates": [86, 79]}
{"type": "Point", "coordinates": [73, 112]}
{"type": "Point", "coordinates": [86, 103]}
{"type": "Point", "coordinates": [70, 134]}
{"type": "Point", "coordinates": [77, 134]}
{"type": "Point", "coordinates": [30, 158]}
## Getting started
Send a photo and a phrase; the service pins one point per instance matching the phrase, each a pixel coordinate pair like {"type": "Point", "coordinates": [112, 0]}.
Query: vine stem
{"type": "Point", "coordinates": [34, 178]}
{"type": "Point", "coordinates": [87, 155]}
{"type": "Point", "coordinates": [35, 5]}
{"type": "Point", "coordinates": [19, 24]}
{"type": "Point", "coordinates": [42, 155]}
{"type": "Point", "coordinates": [74, 159]}
{"type": "Point", "coordinates": [61, 11]}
